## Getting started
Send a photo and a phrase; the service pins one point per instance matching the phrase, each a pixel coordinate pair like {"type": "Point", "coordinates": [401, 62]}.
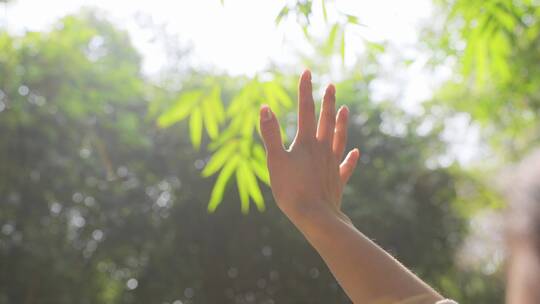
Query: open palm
{"type": "Point", "coordinates": [309, 177]}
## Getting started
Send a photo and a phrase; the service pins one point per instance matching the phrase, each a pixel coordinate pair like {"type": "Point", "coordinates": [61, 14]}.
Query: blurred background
{"type": "Point", "coordinates": [131, 170]}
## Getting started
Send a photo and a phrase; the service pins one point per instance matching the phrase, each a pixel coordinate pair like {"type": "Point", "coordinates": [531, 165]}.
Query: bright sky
{"type": "Point", "coordinates": [241, 37]}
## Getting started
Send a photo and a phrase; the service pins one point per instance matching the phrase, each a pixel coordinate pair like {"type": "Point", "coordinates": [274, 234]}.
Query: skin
{"type": "Point", "coordinates": [307, 182]}
{"type": "Point", "coordinates": [523, 285]}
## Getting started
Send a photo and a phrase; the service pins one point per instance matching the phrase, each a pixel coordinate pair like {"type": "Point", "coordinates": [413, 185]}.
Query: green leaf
{"type": "Point", "coordinates": [217, 104]}
{"type": "Point", "coordinates": [481, 63]}
{"type": "Point", "coordinates": [305, 7]}
{"type": "Point", "coordinates": [325, 14]}
{"type": "Point", "coordinates": [228, 134]}
{"type": "Point", "coordinates": [210, 120]}
{"type": "Point", "coordinates": [180, 110]}
{"type": "Point", "coordinates": [500, 65]}
{"type": "Point", "coordinates": [275, 94]}
{"type": "Point", "coordinates": [245, 146]}
{"type": "Point", "coordinates": [342, 47]}
{"type": "Point", "coordinates": [249, 122]}
{"type": "Point", "coordinates": [352, 19]}
{"type": "Point", "coordinates": [243, 187]}
{"type": "Point", "coordinates": [236, 104]}
{"type": "Point", "coordinates": [219, 187]}
{"type": "Point", "coordinates": [260, 170]}
{"type": "Point", "coordinates": [259, 153]}
{"type": "Point", "coordinates": [219, 158]}
{"type": "Point", "coordinates": [331, 41]}
{"type": "Point", "coordinates": [306, 32]}
{"type": "Point", "coordinates": [244, 99]}
{"type": "Point", "coordinates": [375, 47]}
{"type": "Point", "coordinates": [502, 16]}
{"type": "Point", "coordinates": [282, 14]}
{"type": "Point", "coordinates": [253, 186]}
{"type": "Point", "coordinates": [195, 128]}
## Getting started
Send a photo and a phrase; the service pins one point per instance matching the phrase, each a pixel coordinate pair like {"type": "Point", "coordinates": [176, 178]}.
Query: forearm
{"type": "Point", "coordinates": [365, 271]}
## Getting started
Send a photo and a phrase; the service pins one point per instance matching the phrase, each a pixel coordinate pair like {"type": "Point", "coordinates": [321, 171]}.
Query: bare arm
{"type": "Point", "coordinates": [307, 182]}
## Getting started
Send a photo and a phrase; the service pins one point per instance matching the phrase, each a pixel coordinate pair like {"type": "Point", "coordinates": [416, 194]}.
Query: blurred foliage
{"type": "Point", "coordinates": [302, 10]}
{"type": "Point", "coordinates": [101, 206]}
{"type": "Point", "coordinates": [495, 45]}
{"type": "Point", "coordinates": [235, 149]}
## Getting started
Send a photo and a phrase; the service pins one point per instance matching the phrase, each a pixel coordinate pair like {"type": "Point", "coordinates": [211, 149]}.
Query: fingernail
{"type": "Point", "coordinates": [331, 89]}
{"type": "Point", "coordinates": [307, 75]}
{"type": "Point", "coordinates": [343, 111]}
{"type": "Point", "coordinates": [266, 113]}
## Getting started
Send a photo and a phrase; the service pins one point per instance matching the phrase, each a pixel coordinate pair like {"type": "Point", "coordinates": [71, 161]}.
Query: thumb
{"type": "Point", "coordinates": [270, 132]}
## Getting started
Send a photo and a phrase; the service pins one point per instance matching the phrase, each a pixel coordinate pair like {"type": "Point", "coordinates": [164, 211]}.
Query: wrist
{"type": "Point", "coordinates": [313, 219]}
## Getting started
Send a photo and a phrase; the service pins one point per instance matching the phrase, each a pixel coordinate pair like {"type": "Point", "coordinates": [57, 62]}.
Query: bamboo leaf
{"type": "Point", "coordinates": [502, 16]}
{"type": "Point", "coordinates": [195, 128]}
{"type": "Point", "coordinates": [219, 158]}
{"type": "Point", "coordinates": [180, 110]}
{"type": "Point", "coordinates": [282, 14]}
{"type": "Point", "coordinates": [253, 186]}
{"type": "Point", "coordinates": [219, 187]}
{"type": "Point", "coordinates": [342, 47]}
{"type": "Point", "coordinates": [481, 63]}
{"type": "Point", "coordinates": [236, 104]}
{"type": "Point", "coordinates": [305, 7]}
{"type": "Point", "coordinates": [217, 104]}
{"type": "Point", "coordinates": [306, 32]}
{"type": "Point", "coordinates": [276, 92]}
{"type": "Point", "coordinates": [325, 14]}
{"type": "Point", "coordinates": [352, 19]}
{"type": "Point", "coordinates": [210, 119]}
{"type": "Point", "coordinates": [243, 187]}
{"type": "Point", "coordinates": [375, 47]}
{"type": "Point", "coordinates": [331, 41]}
{"type": "Point", "coordinates": [259, 153]}
{"type": "Point", "coordinates": [250, 120]}
{"type": "Point", "coordinates": [260, 170]}
{"type": "Point", "coordinates": [244, 99]}
{"type": "Point", "coordinates": [228, 134]}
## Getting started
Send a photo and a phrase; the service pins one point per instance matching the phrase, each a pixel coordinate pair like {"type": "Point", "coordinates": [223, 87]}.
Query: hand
{"type": "Point", "coordinates": [307, 180]}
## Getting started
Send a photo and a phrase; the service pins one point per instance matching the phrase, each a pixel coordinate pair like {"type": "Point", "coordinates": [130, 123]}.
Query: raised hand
{"type": "Point", "coordinates": [307, 180]}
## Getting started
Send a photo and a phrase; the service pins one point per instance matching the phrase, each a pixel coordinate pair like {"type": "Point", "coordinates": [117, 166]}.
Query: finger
{"type": "Point", "coordinates": [327, 118]}
{"type": "Point", "coordinates": [306, 109]}
{"type": "Point", "coordinates": [346, 168]}
{"type": "Point", "coordinates": [340, 134]}
{"type": "Point", "coordinates": [270, 132]}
